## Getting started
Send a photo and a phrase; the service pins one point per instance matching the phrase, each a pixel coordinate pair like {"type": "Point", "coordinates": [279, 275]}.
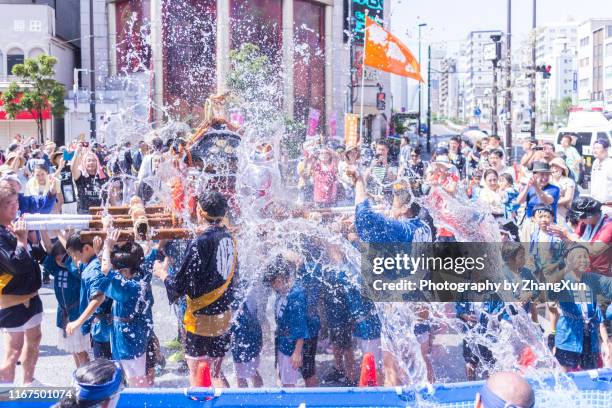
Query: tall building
{"type": "Point", "coordinates": [186, 45]}
{"type": "Point", "coordinates": [29, 28]}
{"type": "Point", "coordinates": [479, 76]}
{"type": "Point", "coordinates": [555, 47]}
{"type": "Point", "coordinates": [595, 54]}
{"type": "Point", "coordinates": [449, 88]}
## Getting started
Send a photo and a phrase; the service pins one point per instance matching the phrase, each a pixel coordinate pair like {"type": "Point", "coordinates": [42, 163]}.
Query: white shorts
{"type": "Point", "coordinates": [372, 346]}
{"type": "Point", "coordinates": [76, 343]}
{"type": "Point", "coordinates": [288, 375]}
{"type": "Point", "coordinates": [34, 321]}
{"type": "Point", "coordinates": [135, 367]}
{"type": "Point", "coordinates": [248, 369]}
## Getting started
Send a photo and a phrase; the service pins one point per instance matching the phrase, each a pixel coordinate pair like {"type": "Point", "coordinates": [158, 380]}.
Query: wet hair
{"type": "Point", "coordinates": [489, 171]}
{"type": "Point", "coordinates": [41, 166]}
{"type": "Point", "coordinates": [57, 250]}
{"type": "Point", "coordinates": [74, 243]}
{"type": "Point", "coordinates": [497, 152]}
{"type": "Point", "coordinates": [573, 248]}
{"type": "Point", "coordinates": [567, 136]}
{"type": "Point", "coordinates": [455, 139]}
{"type": "Point", "coordinates": [508, 177]}
{"type": "Point", "coordinates": [278, 268]}
{"type": "Point", "coordinates": [6, 191]}
{"type": "Point", "coordinates": [381, 142]}
{"type": "Point", "coordinates": [496, 137]}
{"type": "Point", "coordinates": [213, 203]}
{"type": "Point", "coordinates": [510, 250]}
{"type": "Point", "coordinates": [603, 143]}
{"type": "Point", "coordinates": [157, 143]}
{"type": "Point", "coordinates": [544, 208]}
{"type": "Point", "coordinates": [549, 144]}
{"type": "Point", "coordinates": [129, 255]}
{"type": "Point", "coordinates": [97, 372]}
{"type": "Point", "coordinates": [417, 150]}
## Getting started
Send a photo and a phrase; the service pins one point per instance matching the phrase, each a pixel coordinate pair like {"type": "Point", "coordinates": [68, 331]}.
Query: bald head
{"type": "Point", "coordinates": [512, 388]}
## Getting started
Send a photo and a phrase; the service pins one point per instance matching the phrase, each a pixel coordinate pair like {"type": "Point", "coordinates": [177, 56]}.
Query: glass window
{"type": "Point", "coordinates": [132, 25]}
{"type": "Point", "coordinates": [35, 26]}
{"type": "Point", "coordinates": [258, 22]}
{"type": "Point", "coordinates": [609, 31]}
{"type": "Point", "coordinates": [309, 59]}
{"type": "Point", "coordinates": [190, 43]}
{"type": "Point", "coordinates": [14, 57]}
{"type": "Point", "coordinates": [19, 25]}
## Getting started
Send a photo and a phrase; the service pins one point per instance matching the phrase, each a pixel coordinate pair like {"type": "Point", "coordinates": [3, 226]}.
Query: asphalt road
{"type": "Point", "coordinates": [55, 367]}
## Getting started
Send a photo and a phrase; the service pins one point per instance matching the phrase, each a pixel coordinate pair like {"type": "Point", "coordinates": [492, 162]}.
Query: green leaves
{"type": "Point", "coordinates": [38, 89]}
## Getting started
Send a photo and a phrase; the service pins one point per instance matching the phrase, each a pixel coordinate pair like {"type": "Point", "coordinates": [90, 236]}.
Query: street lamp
{"type": "Point", "coordinates": [495, 56]}
{"type": "Point", "coordinates": [420, 94]}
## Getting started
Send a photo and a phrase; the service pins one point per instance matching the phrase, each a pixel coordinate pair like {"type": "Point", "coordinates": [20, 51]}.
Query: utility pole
{"type": "Point", "coordinates": [351, 40]}
{"type": "Point", "coordinates": [496, 40]}
{"type": "Point", "coordinates": [508, 138]}
{"type": "Point", "coordinates": [420, 91]}
{"type": "Point", "coordinates": [429, 99]}
{"type": "Point", "coordinates": [92, 75]}
{"type": "Point", "coordinates": [532, 77]}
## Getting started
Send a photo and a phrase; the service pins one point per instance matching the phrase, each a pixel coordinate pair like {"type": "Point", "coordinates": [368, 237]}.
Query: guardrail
{"type": "Point", "coordinates": [595, 387]}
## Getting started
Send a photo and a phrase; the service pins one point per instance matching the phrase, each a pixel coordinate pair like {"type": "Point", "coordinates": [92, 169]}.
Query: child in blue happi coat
{"type": "Point", "coordinates": [291, 321]}
{"type": "Point", "coordinates": [96, 318]}
{"type": "Point", "coordinates": [337, 308]}
{"type": "Point", "coordinates": [246, 345]}
{"type": "Point", "coordinates": [130, 289]}
{"type": "Point", "coordinates": [67, 286]}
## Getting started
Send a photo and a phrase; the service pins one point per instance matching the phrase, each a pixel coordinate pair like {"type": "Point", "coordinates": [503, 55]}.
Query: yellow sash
{"type": "Point", "coordinates": [5, 278]}
{"type": "Point", "coordinates": [210, 325]}
{"type": "Point", "coordinates": [7, 301]}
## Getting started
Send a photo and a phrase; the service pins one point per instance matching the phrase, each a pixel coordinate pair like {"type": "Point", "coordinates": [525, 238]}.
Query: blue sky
{"type": "Point", "coordinates": [451, 20]}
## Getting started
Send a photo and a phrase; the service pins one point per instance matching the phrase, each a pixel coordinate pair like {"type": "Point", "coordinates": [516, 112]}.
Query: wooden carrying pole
{"type": "Point", "coordinates": [151, 209]}
{"type": "Point", "coordinates": [128, 235]}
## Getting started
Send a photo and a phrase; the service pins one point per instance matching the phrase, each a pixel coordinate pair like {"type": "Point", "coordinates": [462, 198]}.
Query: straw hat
{"type": "Point", "coordinates": [12, 156]}
{"type": "Point", "coordinates": [559, 162]}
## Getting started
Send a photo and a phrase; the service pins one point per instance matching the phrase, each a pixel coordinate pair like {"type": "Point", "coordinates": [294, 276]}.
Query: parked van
{"type": "Point", "coordinates": [586, 127]}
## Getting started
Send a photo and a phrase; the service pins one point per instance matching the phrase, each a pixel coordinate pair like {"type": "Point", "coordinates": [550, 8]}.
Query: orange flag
{"type": "Point", "coordinates": [386, 52]}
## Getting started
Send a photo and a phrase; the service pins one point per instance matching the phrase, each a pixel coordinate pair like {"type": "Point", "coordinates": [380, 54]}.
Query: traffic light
{"type": "Point", "coordinates": [545, 70]}
{"type": "Point", "coordinates": [380, 101]}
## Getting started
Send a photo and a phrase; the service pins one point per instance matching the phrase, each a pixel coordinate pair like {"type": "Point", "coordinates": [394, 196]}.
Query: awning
{"type": "Point", "coordinates": [46, 114]}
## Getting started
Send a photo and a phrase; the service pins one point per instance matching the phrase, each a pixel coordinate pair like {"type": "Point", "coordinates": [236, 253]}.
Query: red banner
{"type": "Point", "coordinates": [46, 114]}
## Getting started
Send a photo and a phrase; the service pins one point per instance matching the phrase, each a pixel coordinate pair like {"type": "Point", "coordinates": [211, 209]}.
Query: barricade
{"type": "Point", "coordinates": [595, 388]}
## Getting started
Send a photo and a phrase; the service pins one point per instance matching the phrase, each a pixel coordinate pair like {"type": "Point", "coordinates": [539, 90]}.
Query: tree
{"type": "Point", "coordinates": [255, 87]}
{"type": "Point", "coordinates": [36, 91]}
{"type": "Point", "coordinates": [562, 109]}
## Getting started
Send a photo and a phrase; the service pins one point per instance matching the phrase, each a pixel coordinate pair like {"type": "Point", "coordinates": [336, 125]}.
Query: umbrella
{"type": "Point", "coordinates": [474, 134]}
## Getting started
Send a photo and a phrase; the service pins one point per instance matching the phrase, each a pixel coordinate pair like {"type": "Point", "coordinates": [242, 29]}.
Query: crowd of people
{"type": "Point", "coordinates": [103, 288]}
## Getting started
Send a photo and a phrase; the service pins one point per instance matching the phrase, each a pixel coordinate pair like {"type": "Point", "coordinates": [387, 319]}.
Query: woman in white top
{"type": "Point", "coordinates": [567, 186]}
{"type": "Point", "coordinates": [601, 175]}
{"type": "Point", "coordinates": [490, 193]}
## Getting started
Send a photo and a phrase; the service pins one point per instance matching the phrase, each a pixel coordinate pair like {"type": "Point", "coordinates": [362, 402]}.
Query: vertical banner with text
{"type": "Point", "coordinates": [351, 129]}
{"type": "Point", "coordinates": [313, 121]}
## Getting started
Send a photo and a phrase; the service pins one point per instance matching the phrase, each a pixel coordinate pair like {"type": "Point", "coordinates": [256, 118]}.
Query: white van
{"type": "Point", "coordinates": [586, 127]}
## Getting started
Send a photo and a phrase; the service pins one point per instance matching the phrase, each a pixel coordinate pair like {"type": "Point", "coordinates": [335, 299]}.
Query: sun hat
{"type": "Point", "coordinates": [559, 162]}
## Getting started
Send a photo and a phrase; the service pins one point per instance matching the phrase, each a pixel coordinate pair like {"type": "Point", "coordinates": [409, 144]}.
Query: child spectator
{"type": "Point", "coordinates": [291, 323]}
{"type": "Point", "coordinates": [509, 195]}
{"type": "Point", "coordinates": [132, 316]}
{"type": "Point", "coordinates": [247, 342]}
{"type": "Point", "coordinates": [545, 248]}
{"type": "Point", "coordinates": [95, 309]}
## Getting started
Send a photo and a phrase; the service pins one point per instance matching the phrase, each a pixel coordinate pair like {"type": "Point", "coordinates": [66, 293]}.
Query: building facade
{"type": "Point", "coordinates": [594, 58]}
{"type": "Point", "coordinates": [479, 75]}
{"type": "Point", "coordinates": [185, 47]}
{"type": "Point", "coordinates": [556, 46]}
{"type": "Point", "coordinates": [28, 29]}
